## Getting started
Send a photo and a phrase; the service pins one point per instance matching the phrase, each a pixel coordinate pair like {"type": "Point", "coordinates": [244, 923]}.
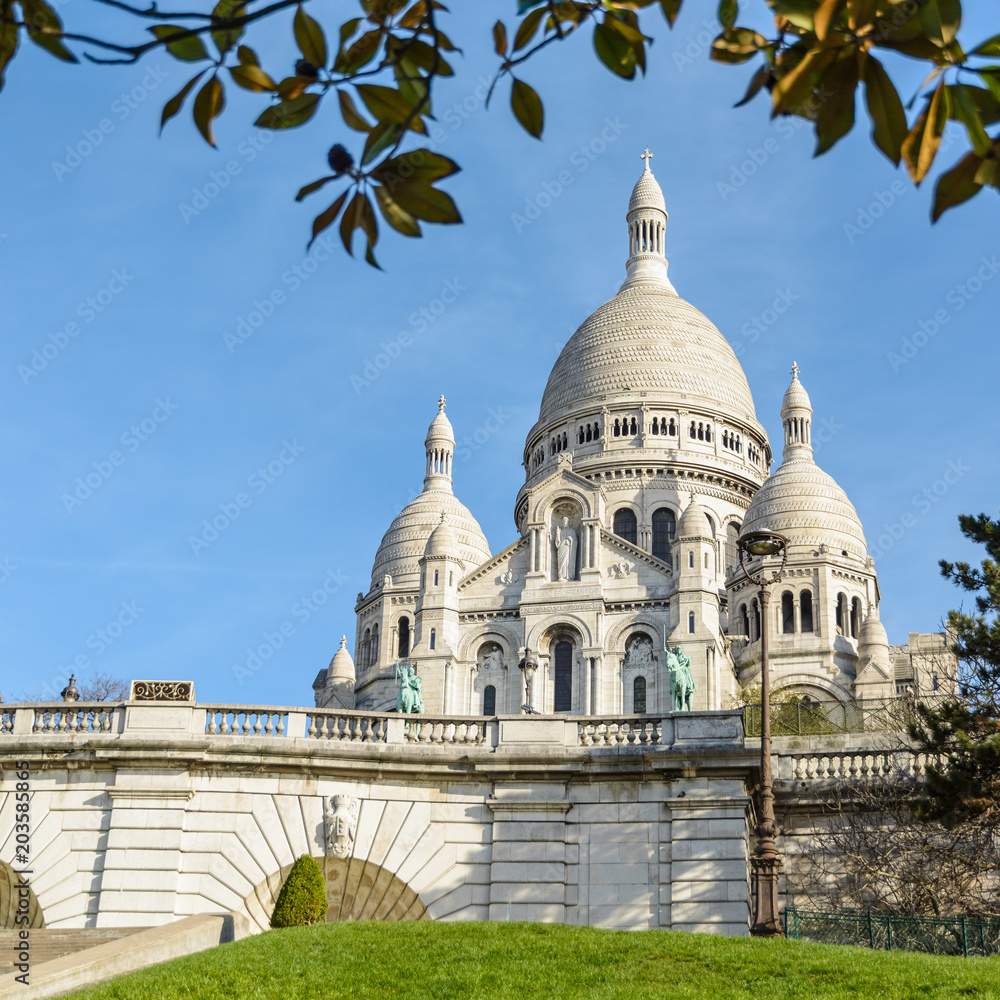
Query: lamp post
{"type": "Point", "coordinates": [528, 666]}
{"type": "Point", "coordinates": [766, 862]}
{"type": "Point", "coordinates": [70, 693]}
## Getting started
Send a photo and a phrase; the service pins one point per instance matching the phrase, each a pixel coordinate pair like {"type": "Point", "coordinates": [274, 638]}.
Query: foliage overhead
{"type": "Point", "coordinates": [302, 899]}
{"type": "Point", "coordinates": [379, 67]}
{"type": "Point", "coordinates": [966, 731]}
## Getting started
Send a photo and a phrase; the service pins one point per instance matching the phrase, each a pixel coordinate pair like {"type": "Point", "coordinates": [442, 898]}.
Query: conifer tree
{"type": "Point", "coordinates": [302, 899]}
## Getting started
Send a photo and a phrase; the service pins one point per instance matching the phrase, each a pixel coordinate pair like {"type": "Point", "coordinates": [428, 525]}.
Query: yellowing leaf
{"type": "Point", "coordinates": [500, 39]}
{"type": "Point", "coordinates": [923, 140]}
{"type": "Point", "coordinates": [957, 185]}
{"type": "Point", "coordinates": [350, 114]}
{"type": "Point", "coordinates": [207, 107]}
{"type": "Point", "coordinates": [189, 49]}
{"type": "Point", "coordinates": [395, 214]}
{"type": "Point", "coordinates": [425, 202]}
{"type": "Point", "coordinates": [527, 108]}
{"type": "Point", "coordinates": [174, 104]}
{"type": "Point", "coordinates": [326, 218]}
{"type": "Point", "coordinates": [251, 77]}
{"type": "Point", "coordinates": [310, 38]}
{"type": "Point", "coordinates": [289, 114]}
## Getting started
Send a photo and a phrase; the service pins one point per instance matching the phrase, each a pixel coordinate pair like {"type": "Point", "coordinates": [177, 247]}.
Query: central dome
{"type": "Point", "coordinates": [649, 340]}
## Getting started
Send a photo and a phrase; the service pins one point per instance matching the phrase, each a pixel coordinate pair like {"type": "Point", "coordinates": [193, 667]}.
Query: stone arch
{"type": "Point", "coordinates": [570, 621]}
{"type": "Point", "coordinates": [815, 682]}
{"type": "Point", "coordinates": [617, 636]}
{"type": "Point", "coordinates": [355, 890]}
{"type": "Point", "coordinates": [563, 494]}
{"type": "Point", "coordinates": [507, 637]}
{"type": "Point", "coordinates": [10, 899]}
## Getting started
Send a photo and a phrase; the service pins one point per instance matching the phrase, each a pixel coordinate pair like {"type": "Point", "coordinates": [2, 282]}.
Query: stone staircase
{"type": "Point", "coordinates": [50, 943]}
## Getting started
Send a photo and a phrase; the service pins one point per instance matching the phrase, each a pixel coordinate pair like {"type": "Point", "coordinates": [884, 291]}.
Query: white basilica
{"type": "Point", "coordinates": [646, 462]}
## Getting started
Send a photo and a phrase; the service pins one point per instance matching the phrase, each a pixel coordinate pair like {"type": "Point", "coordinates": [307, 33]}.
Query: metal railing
{"type": "Point", "coordinates": [952, 935]}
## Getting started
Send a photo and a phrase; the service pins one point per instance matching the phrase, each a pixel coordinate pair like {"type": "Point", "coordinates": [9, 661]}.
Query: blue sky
{"type": "Point", "coordinates": [114, 583]}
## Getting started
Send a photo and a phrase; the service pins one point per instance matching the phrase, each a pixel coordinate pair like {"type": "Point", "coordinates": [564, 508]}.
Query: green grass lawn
{"type": "Point", "coordinates": [419, 961]}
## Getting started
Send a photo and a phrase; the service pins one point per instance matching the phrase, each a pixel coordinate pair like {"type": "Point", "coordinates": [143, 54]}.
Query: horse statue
{"type": "Point", "coordinates": [681, 678]}
{"type": "Point", "coordinates": [410, 697]}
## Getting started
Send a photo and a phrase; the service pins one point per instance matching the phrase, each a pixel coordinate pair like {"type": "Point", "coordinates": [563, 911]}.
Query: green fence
{"type": "Point", "coordinates": [814, 718]}
{"type": "Point", "coordinates": [892, 931]}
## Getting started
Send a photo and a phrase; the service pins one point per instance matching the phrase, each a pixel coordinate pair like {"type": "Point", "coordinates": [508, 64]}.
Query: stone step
{"type": "Point", "coordinates": [46, 944]}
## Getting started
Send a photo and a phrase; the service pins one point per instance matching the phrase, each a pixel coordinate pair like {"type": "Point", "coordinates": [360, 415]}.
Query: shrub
{"type": "Point", "coordinates": [302, 899]}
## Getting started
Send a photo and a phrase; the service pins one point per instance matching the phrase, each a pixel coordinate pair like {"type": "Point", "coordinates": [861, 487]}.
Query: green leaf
{"type": "Point", "coordinates": [797, 84]}
{"type": "Point", "coordinates": [991, 47]}
{"type": "Point", "coordinates": [614, 51]}
{"type": "Point", "coordinates": [247, 56]}
{"type": "Point", "coordinates": [420, 164]}
{"type": "Point", "coordinates": [728, 9]}
{"type": "Point", "coordinates": [670, 8]}
{"type": "Point", "coordinates": [957, 185]}
{"type": "Point", "coordinates": [395, 214]}
{"type": "Point", "coordinates": [802, 13]}
{"type": "Point", "coordinates": [361, 52]}
{"type": "Point", "coordinates": [207, 107]}
{"type": "Point", "coordinates": [389, 105]}
{"type": "Point", "coordinates": [826, 14]}
{"type": "Point", "coordinates": [381, 137]}
{"type": "Point", "coordinates": [173, 106]}
{"type": "Point", "coordinates": [425, 202]}
{"type": "Point", "coordinates": [923, 140]}
{"type": "Point", "coordinates": [8, 46]}
{"type": "Point", "coordinates": [756, 82]}
{"type": "Point", "coordinates": [326, 218]}
{"type": "Point", "coordinates": [737, 46]}
{"type": "Point", "coordinates": [251, 77]}
{"type": "Point", "coordinates": [986, 101]}
{"type": "Point", "coordinates": [316, 185]}
{"type": "Point", "coordinates": [226, 38]}
{"type": "Point", "coordinates": [989, 171]}
{"type": "Point", "coordinates": [44, 27]}
{"type": "Point", "coordinates": [889, 126]}
{"type": "Point", "coordinates": [991, 77]}
{"type": "Point", "coordinates": [189, 49]}
{"type": "Point", "coordinates": [527, 28]}
{"type": "Point", "coordinates": [289, 114]}
{"type": "Point", "coordinates": [356, 217]}
{"type": "Point", "coordinates": [527, 108]}
{"type": "Point", "coordinates": [963, 109]}
{"type": "Point", "coordinates": [500, 39]}
{"type": "Point", "coordinates": [941, 19]}
{"type": "Point", "coordinates": [349, 112]}
{"type": "Point", "coordinates": [835, 113]}
{"type": "Point", "coordinates": [310, 38]}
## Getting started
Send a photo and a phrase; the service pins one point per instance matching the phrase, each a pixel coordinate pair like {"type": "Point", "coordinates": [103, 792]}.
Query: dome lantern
{"type": "Point", "coordinates": [796, 415]}
{"type": "Point", "coordinates": [440, 445]}
{"type": "Point", "coordinates": [647, 226]}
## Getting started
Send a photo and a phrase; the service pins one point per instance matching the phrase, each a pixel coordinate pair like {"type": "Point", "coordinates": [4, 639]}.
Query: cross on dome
{"type": "Point", "coordinates": [441, 404]}
{"type": "Point", "coordinates": [647, 156]}
{"type": "Point", "coordinates": [795, 370]}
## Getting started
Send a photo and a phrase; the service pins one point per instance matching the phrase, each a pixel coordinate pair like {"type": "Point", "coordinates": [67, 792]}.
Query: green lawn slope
{"type": "Point", "coordinates": [497, 961]}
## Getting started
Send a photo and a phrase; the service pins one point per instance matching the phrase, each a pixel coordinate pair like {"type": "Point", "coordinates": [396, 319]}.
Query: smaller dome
{"type": "Point", "coordinates": [872, 631]}
{"type": "Point", "coordinates": [442, 541]}
{"type": "Point", "coordinates": [693, 522]}
{"type": "Point", "coordinates": [341, 666]}
{"type": "Point", "coordinates": [647, 194]}
{"type": "Point", "coordinates": [440, 429]}
{"type": "Point", "coordinates": [796, 397]}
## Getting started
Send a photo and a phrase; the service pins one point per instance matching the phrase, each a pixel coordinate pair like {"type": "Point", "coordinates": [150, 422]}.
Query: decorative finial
{"type": "Point", "coordinates": [795, 370]}
{"type": "Point", "coordinates": [441, 404]}
{"type": "Point", "coordinates": [647, 156]}
{"type": "Point", "coordinates": [343, 641]}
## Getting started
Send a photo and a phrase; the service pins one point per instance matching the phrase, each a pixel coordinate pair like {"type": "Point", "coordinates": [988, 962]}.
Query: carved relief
{"type": "Point", "coordinates": [341, 825]}
{"type": "Point", "coordinates": [490, 658]}
{"type": "Point", "coordinates": [619, 570]}
{"type": "Point", "coordinates": [162, 691]}
{"type": "Point", "coordinates": [507, 577]}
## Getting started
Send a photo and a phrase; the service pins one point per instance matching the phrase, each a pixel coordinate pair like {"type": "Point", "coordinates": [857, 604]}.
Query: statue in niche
{"type": "Point", "coordinates": [681, 679]}
{"type": "Point", "coordinates": [640, 652]}
{"type": "Point", "coordinates": [491, 659]}
{"type": "Point", "coordinates": [564, 538]}
{"type": "Point", "coordinates": [342, 825]}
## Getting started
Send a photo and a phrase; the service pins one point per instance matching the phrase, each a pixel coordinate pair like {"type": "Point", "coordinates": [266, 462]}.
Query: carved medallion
{"type": "Point", "coordinates": [341, 825]}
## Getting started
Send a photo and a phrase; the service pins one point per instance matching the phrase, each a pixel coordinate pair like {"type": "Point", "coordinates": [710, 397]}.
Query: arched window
{"type": "Point", "coordinates": [856, 617]}
{"type": "Point", "coordinates": [745, 620]}
{"type": "Point", "coordinates": [597, 431]}
{"type": "Point", "coordinates": [664, 528]}
{"type": "Point", "coordinates": [635, 426]}
{"type": "Point", "coordinates": [755, 608]}
{"type": "Point", "coordinates": [672, 429]}
{"type": "Point", "coordinates": [708, 432]}
{"type": "Point", "coordinates": [656, 426]}
{"type": "Point", "coordinates": [580, 438]}
{"type": "Point", "coordinates": [625, 524]}
{"type": "Point", "coordinates": [404, 637]}
{"type": "Point", "coordinates": [375, 650]}
{"type": "Point", "coordinates": [691, 622]}
{"type": "Point", "coordinates": [563, 695]}
{"type": "Point", "coordinates": [433, 638]}
{"type": "Point", "coordinates": [732, 550]}
{"type": "Point", "coordinates": [842, 623]}
{"type": "Point", "coordinates": [490, 700]}
{"type": "Point", "coordinates": [639, 696]}
{"type": "Point", "coordinates": [691, 431]}
{"type": "Point", "coordinates": [787, 613]}
{"type": "Point", "coordinates": [806, 610]}
{"type": "Point", "coordinates": [435, 578]}
{"type": "Point", "coordinates": [366, 648]}
{"type": "Point", "coordinates": [701, 432]}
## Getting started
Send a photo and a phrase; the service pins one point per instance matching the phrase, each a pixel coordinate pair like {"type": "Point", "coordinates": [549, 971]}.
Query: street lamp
{"type": "Point", "coordinates": [528, 666]}
{"type": "Point", "coordinates": [70, 693]}
{"type": "Point", "coordinates": [765, 863]}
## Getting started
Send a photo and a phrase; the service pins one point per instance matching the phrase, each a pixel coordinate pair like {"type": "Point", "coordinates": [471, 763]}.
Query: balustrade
{"type": "Point", "coordinates": [609, 732]}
